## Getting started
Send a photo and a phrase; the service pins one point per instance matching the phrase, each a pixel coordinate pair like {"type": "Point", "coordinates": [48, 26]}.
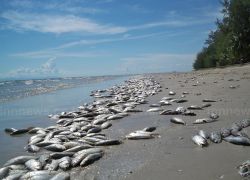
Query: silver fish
{"type": "Point", "coordinates": [203, 120]}
{"type": "Point", "coordinates": [18, 160]}
{"type": "Point", "coordinates": [55, 147]}
{"type": "Point", "coordinates": [215, 137]}
{"type": "Point", "coordinates": [41, 175]}
{"type": "Point", "coordinates": [32, 148]}
{"type": "Point", "coordinates": [203, 134]}
{"type": "Point", "coordinates": [214, 116]}
{"type": "Point", "coordinates": [154, 110]}
{"type": "Point", "coordinates": [4, 172]}
{"type": "Point", "coordinates": [177, 120]}
{"type": "Point", "coordinates": [244, 169]}
{"type": "Point", "coordinates": [238, 140]}
{"type": "Point", "coordinates": [33, 165]}
{"type": "Point", "coordinates": [200, 141]}
{"type": "Point", "coordinates": [65, 163]}
{"type": "Point", "coordinates": [108, 142]}
{"type": "Point", "coordinates": [106, 125]}
{"type": "Point", "coordinates": [78, 148]}
{"type": "Point", "coordinates": [90, 159]}
{"type": "Point", "coordinates": [140, 135]}
{"type": "Point", "coordinates": [80, 155]}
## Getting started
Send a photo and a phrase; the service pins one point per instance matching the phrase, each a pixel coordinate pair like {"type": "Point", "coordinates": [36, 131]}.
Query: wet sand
{"type": "Point", "coordinates": [173, 155]}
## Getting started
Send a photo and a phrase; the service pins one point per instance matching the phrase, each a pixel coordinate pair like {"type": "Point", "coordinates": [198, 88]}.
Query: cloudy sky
{"type": "Point", "coordinates": [42, 38]}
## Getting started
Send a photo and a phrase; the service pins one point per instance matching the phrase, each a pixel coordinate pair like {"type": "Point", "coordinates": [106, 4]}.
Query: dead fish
{"type": "Point", "coordinates": [71, 144]}
{"type": "Point", "coordinates": [18, 160]}
{"type": "Point", "coordinates": [4, 172]}
{"type": "Point", "coordinates": [180, 110]}
{"type": "Point", "coordinates": [94, 130]}
{"type": "Point", "coordinates": [203, 134]}
{"type": "Point", "coordinates": [43, 159]}
{"type": "Point", "coordinates": [200, 141]}
{"type": "Point", "coordinates": [35, 140]}
{"type": "Point", "coordinates": [90, 159]}
{"type": "Point", "coordinates": [235, 128]}
{"type": "Point", "coordinates": [208, 100]}
{"type": "Point", "coordinates": [165, 103]}
{"type": "Point", "coordinates": [154, 110]}
{"type": "Point", "coordinates": [33, 165]}
{"type": "Point", "coordinates": [106, 125]}
{"type": "Point", "coordinates": [189, 113]}
{"type": "Point", "coordinates": [61, 176]}
{"type": "Point", "coordinates": [78, 148]}
{"type": "Point", "coordinates": [203, 120]}
{"type": "Point", "coordinates": [55, 147]}
{"type": "Point", "coordinates": [19, 131]}
{"type": "Point", "coordinates": [177, 120]}
{"type": "Point", "coordinates": [244, 169]}
{"type": "Point", "coordinates": [214, 115]}
{"type": "Point", "coordinates": [154, 105]}
{"type": "Point", "coordinates": [140, 135]}
{"type": "Point", "coordinates": [245, 123]}
{"type": "Point", "coordinates": [238, 140]}
{"type": "Point", "coordinates": [65, 163]}
{"type": "Point", "coordinates": [32, 148]}
{"type": "Point", "coordinates": [116, 116]}
{"type": "Point", "coordinates": [149, 129]}
{"type": "Point", "coordinates": [171, 93]}
{"type": "Point", "coordinates": [53, 166]}
{"type": "Point", "coordinates": [169, 112]}
{"type": "Point", "coordinates": [10, 130]}
{"type": "Point", "coordinates": [215, 137]}
{"type": "Point", "coordinates": [243, 134]}
{"type": "Point", "coordinates": [108, 142]}
{"type": "Point", "coordinates": [41, 175]}
{"type": "Point", "coordinates": [206, 105]}
{"type": "Point", "coordinates": [79, 156]}
{"type": "Point", "coordinates": [225, 132]}
{"type": "Point", "coordinates": [180, 100]}
{"type": "Point", "coordinates": [17, 167]}
{"type": "Point", "coordinates": [194, 107]}
{"type": "Point", "coordinates": [58, 155]}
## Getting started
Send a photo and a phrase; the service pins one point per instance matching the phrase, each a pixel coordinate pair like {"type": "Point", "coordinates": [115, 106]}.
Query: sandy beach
{"type": "Point", "coordinates": [173, 155]}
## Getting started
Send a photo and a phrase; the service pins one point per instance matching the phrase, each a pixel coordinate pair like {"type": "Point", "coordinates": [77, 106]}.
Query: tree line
{"type": "Point", "coordinates": [230, 43]}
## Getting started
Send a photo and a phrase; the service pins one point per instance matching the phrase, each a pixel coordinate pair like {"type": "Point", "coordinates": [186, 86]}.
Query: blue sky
{"type": "Point", "coordinates": [98, 37]}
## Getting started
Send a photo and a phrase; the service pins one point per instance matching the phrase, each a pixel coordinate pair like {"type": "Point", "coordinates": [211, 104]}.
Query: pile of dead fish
{"type": "Point", "coordinates": [233, 135]}
{"type": "Point", "coordinates": [76, 138]}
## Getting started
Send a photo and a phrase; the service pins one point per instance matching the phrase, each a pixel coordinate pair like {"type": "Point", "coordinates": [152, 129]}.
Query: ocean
{"type": "Point", "coordinates": [27, 103]}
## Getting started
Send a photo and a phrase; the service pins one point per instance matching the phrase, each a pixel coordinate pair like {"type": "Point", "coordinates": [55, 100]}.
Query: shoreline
{"type": "Point", "coordinates": [173, 155]}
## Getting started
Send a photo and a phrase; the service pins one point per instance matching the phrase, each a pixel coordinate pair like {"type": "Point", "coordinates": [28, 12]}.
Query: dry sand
{"type": "Point", "coordinates": [173, 155]}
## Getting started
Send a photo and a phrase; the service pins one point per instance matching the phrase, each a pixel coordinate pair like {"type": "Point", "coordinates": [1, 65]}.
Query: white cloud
{"type": "Point", "coordinates": [45, 70]}
{"type": "Point", "coordinates": [57, 23]}
{"type": "Point", "coordinates": [63, 6]}
{"type": "Point", "coordinates": [109, 40]}
{"type": "Point", "coordinates": [47, 23]}
{"type": "Point", "coordinates": [58, 51]}
{"type": "Point", "coordinates": [157, 62]}
{"type": "Point", "coordinates": [60, 54]}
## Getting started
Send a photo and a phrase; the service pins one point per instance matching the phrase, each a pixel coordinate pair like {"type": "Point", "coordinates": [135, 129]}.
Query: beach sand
{"type": "Point", "coordinates": [173, 155]}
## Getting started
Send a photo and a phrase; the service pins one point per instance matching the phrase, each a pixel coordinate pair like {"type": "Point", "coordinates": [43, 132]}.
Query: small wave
{"type": "Point", "coordinates": [29, 82]}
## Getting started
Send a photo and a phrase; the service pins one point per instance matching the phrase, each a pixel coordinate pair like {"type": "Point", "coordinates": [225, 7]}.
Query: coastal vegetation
{"type": "Point", "coordinates": [230, 43]}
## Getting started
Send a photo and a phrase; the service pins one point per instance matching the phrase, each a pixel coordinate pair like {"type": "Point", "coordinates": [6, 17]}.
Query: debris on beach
{"type": "Point", "coordinates": [146, 133]}
{"type": "Point", "coordinates": [177, 120]}
{"type": "Point", "coordinates": [199, 140]}
{"type": "Point", "coordinates": [77, 139]}
{"type": "Point", "coordinates": [244, 169]}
